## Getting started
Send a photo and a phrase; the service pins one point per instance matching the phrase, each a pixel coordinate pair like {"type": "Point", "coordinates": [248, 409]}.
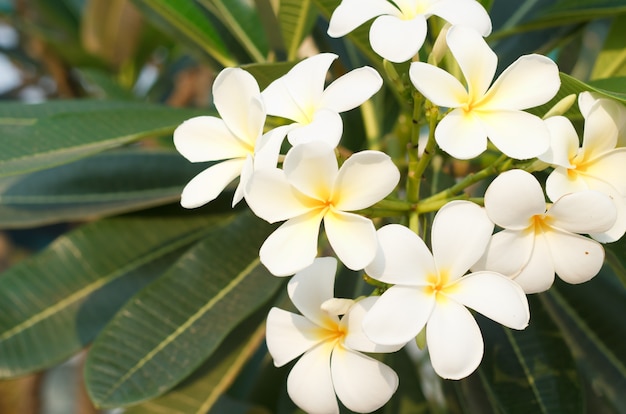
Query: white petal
{"type": "Point", "coordinates": [454, 341]}
{"type": "Point", "coordinates": [362, 383]}
{"type": "Point", "coordinates": [355, 336]}
{"type": "Point", "coordinates": [268, 147]}
{"type": "Point", "coordinates": [279, 102]}
{"type": "Point", "coordinates": [270, 196]}
{"type": "Point", "coordinates": [460, 233]}
{"type": "Point", "coordinates": [466, 13]}
{"type": "Point", "coordinates": [389, 34]}
{"type": "Point", "coordinates": [352, 237]}
{"type": "Point", "coordinates": [495, 296]}
{"type": "Point", "coordinates": [304, 82]}
{"type": "Point", "coordinates": [619, 227]}
{"type": "Point", "coordinates": [310, 384]}
{"type": "Point", "coordinates": [238, 101]}
{"type": "Point", "coordinates": [538, 274]}
{"type": "Point", "coordinates": [513, 198]}
{"type": "Point", "coordinates": [293, 246]}
{"type": "Point", "coordinates": [337, 306]}
{"type": "Point", "coordinates": [402, 257]}
{"type": "Point", "coordinates": [364, 179]}
{"type": "Point", "coordinates": [560, 182]}
{"type": "Point", "coordinates": [600, 133]}
{"type": "Point", "coordinates": [399, 315]}
{"type": "Point", "coordinates": [518, 134]}
{"type": "Point", "coordinates": [289, 335]}
{"type": "Point", "coordinates": [206, 138]}
{"type": "Point", "coordinates": [477, 61]}
{"type": "Point", "coordinates": [350, 14]}
{"type": "Point", "coordinates": [576, 258]}
{"type": "Point", "coordinates": [610, 168]}
{"type": "Point", "coordinates": [507, 252]}
{"type": "Point", "coordinates": [530, 81]}
{"type": "Point", "coordinates": [312, 169]}
{"type": "Point", "coordinates": [326, 126]}
{"type": "Point", "coordinates": [244, 177]}
{"type": "Point", "coordinates": [351, 89]}
{"type": "Point", "coordinates": [311, 287]}
{"type": "Point", "coordinates": [207, 185]}
{"type": "Point", "coordinates": [437, 85]}
{"type": "Point", "coordinates": [563, 142]}
{"type": "Point", "coordinates": [583, 212]}
{"type": "Point", "coordinates": [461, 134]}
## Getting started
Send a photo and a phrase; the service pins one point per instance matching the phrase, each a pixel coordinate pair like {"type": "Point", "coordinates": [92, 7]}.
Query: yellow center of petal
{"type": "Point", "coordinates": [439, 285]}
{"type": "Point", "coordinates": [539, 223]}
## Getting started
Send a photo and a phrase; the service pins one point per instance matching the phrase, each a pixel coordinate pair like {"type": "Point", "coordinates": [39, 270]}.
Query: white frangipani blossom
{"type": "Point", "coordinates": [311, 188]}
{"type": "Point", "coordinates": [331, 361]}
{"type": "Point", "coordinates": [596, 165]}
{"type": "Point", "coordinates": [300, 96]}
{"type": "Point", "coordinates": [431, 290]}
{"type": "Point", "coordinates": [399, 30]}
{"type": "Point", "coordinates": [534, 243]}
{"type": "Point", "coordinates": [234, 139]}
{"type": "Point", "coordinates": [480, 111]}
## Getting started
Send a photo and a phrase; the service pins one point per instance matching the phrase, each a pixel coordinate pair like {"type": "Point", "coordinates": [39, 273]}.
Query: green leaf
{"type": "Point", "coordinates": [530, 371]}
{"type": "Point", "coordinates": [611, 61]}
{"type": "Point", "coordinates": [242, 20]}
{"type": "Point", "coordinates": [52, 304]}
{"type": "Point", "coordinates": [266, 73]}
{"type": "Point", "coordinates": [33, 141]}
{"type": "Point", "coordinates": [105, 184]}
{"type": "Point", "coordinates": [187, 20]}
{"type": "Point", "coordinates": [591, 318]}
{"type": "Point", "coordinates": [296, 19]}
{"type": "Point", "coordinates": [166, 331]}
{"type": "Point", "coordinates": [201, 390]}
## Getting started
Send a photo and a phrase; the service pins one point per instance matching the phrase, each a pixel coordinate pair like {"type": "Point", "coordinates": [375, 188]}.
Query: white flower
{"type": "Point", "coordinates": [312, 188]}
{"type": "Point", "coordinates": [482, 112]}
{"type": "Point", "coordinates": [234, 139]}
{"type": "Point", "coordinates": [535, 243]}
{"type": "Point", "coordinates": [596, 165]}
{"type": "Point", "coordinates": [331, 362]}
{"type": "Point", "coordinates": [430, 289]}
{"type": "Point", "coordinates": [616, 111]}
{"type": "Point", "coordinates": [400, 27]}
{"type": "Point", "coordinates": [300, 96]}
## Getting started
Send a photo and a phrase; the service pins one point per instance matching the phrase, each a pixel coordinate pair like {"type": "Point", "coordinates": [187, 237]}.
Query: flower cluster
{"type": "Point", "coordinates": [420, 288]}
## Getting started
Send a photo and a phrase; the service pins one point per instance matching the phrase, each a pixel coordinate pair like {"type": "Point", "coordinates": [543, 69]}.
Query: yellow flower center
{"type": "Point", "coordinates": [439, 285]}
{"type": "Point", "coordinates": [539, 223]}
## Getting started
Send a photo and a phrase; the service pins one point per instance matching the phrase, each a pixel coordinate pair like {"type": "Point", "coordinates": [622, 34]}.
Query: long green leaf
{"type": "Point", "coordinates": [187, 20]}
{"type": "Point", "coordinates": [296, 18]}
{"type": "Point", "coordinates": [166, 331]}
{"type": "Point", "coordinates": [591, 317]}
{"type": "Point", "coordinates": [243, 21]}
{"type": "Point", "coordinates": [53, 304]}
{"type": "Point", "coordinates": [531, 371]}
{"type": "Point", "coordinates": [105, 184]}
{"type": "Point", "coordinates": [611, 61]}
{"type": "Point", "coordinates": [30, 142]}
{"type": "Point", "coordinates": [200, 392]}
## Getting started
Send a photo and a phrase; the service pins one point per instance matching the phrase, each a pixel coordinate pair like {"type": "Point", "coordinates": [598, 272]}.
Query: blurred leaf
{"type": "Point", "coordinates": [242, 20]}
{"type": "Point", "coordinates": [296, 19]}
{"type": "Point", "coordinates": [42, 136]}
{"type": "Point", "coordinates": [167, 330]}
{"type": "Point", "coordinates": [591, 317]}
{"type": "Point", "coordinates": [200, 391]}
{"type": "Point", "coordinates": [611, 61]}
{"type": "Point", "coordinates": [105, 184]}
{"type": "Point", "coordinates": [102, 85]}
{"type": "Point", "coordinates": [266, 73]}
{"type": "Point", "coordinates": [188, 22]}
{"type": "Point", "coordinates": [530, 371]}
{"type": "Point", "coordinates": [111, 30]}
{"type": "Point", "coordinates": [52, 304]}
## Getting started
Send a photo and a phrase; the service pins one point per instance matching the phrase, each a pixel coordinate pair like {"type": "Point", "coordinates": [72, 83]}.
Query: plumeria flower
{"type": "Point", "coordinates": [480, 111]}
{"type": "Point", "coordinates": [399, 30]}
{"type": "Point", "coordinates": [596, 165]}
{"type": "Point", "coordinates": [234, 139]}
{"type": "Point", "coordinates": [616, 111]}
{"type": "Point", "coordinates": [311, 188]}
{"type": "Point", "coordinates": [300, 96]}
{"type": "Point", "coordinates": [534, 243]}
{"type": "Point", "coordinates": [431, 290]}
{"type": "Point", "coordinates": [331, 361]}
